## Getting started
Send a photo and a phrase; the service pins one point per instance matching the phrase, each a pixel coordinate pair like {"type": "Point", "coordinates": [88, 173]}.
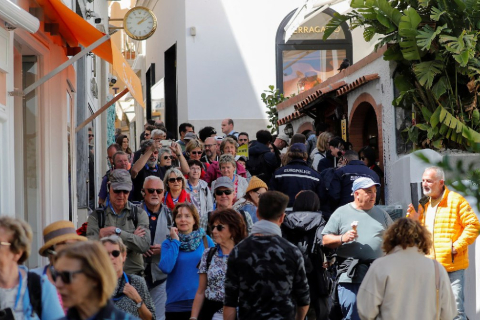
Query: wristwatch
{"type": "Point", "coordinates": [118, 231]}
{"type": "Point", "coordinates": [139, 305]}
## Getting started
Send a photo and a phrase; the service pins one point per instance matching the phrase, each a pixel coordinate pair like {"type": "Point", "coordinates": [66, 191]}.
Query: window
{"type": "Point", "coordinates": [306, 60]}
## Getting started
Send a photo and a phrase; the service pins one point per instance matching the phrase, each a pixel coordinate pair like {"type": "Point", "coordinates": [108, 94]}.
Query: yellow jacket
{"type": "Point", "coordinates": [455, 225]}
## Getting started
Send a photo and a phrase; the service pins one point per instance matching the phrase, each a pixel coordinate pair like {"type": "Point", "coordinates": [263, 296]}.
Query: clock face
{"type": "Point", "coordinates": [140, 23]}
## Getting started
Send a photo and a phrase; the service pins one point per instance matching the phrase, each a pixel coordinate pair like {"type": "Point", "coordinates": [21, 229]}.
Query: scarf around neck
{"type": "Point", "coordinates": [266, 227]}
{"type": "Point", "coordinates": [184, 196]}
{"type": "Point", "coordinates": [191, 241]}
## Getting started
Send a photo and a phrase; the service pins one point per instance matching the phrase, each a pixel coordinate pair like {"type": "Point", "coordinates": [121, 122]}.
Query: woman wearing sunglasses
{"type": "Point", "coordinates": [228, 229]}
{"type": "Point", "coordinates": [181, 253]}
{"type": "Point", "coordinates": [175, 185]}
{"type": "Point", "coordinates": [86, 280]}
{"type": "Point", "coordinates": [131, 294]}
{"type": "Point", "coordinates": [17, 301]}
{"type": "Point", "coordinates": [227, 165]}
{"type": "Point", "coordinates": [194, 151]}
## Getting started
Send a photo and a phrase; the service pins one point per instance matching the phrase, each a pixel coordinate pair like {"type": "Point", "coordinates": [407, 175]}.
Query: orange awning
{"type": "Point", "coordinates": [75, 29]}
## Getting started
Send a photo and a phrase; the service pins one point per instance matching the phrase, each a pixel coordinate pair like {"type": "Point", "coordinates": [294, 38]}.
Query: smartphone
{"type": "Point", "coordinates": [7, 314]}
{"type": "Point", "coordinates": [166, 143]}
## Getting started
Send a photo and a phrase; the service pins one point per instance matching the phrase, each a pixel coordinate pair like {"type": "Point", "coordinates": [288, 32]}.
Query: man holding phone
{"type": "Point", "coordinates": [336, 147]}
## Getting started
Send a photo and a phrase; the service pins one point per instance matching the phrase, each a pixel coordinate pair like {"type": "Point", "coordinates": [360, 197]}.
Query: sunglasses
{"type": "Point", "coordinates": [121, 191]}
{"type": "Point", "coordinates": [114, 253]}
{"type": "Point", "coordinates": [196, 152]}
{"type": "Point", "coordinates": [168, 157]}
{"type": "Point", "coordinates": [90, 135]}
{"type": "Point", "coordinates": [178, 179]}
{"type": "Point", "coordinates": [222, 192]}
{"type": "Point", "coordinates": [66, 276]}
{"type": "Point", "coordinates": [219, 227]}
{"type": "Point", "coordinates": [152, 191]}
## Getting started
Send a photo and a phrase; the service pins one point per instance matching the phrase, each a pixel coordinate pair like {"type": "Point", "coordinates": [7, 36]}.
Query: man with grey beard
{"type": "Point", "coordinates": [144, 167]}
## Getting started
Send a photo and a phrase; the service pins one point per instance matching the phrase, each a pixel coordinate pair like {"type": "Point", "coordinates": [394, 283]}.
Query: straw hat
{"type": "Point", "coordinates": [256, 183]}
{"type": "Point", "coordinates": [58, 232]}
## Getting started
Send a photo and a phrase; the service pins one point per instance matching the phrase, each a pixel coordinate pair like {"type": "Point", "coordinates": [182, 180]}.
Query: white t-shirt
{"type": "Point", "coordinates": [430, 217]}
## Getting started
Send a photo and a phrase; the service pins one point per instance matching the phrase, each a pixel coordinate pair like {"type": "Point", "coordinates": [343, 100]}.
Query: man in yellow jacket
{"type": "Point", "coordinates": [453, 225]}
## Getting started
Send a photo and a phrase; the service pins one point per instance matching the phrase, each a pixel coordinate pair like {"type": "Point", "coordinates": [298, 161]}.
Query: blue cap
{"type": "Point", "coordinates": [298, 147]}
{"type": "Point", "coordinates": [363, 183]}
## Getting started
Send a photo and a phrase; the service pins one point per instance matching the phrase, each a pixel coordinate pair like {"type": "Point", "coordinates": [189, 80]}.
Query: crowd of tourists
{"type": "Point", "coordinates": [193, 229]}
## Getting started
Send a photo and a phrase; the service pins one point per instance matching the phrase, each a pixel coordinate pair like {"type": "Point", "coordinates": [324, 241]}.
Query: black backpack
{"type": "Point", "coordinates": [257, 166]}
{"type": "Point", "coordinates": [100, 215]}
{"type": "Point", "coordinates": [326, 177]}
{"type": "Point", "coordinates": [310, 245]}
{"type": "Point", "coordinates": [34, 285]}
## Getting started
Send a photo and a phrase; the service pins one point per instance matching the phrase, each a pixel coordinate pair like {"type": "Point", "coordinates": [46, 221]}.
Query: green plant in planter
{"type": "Point", "coordinates": [435, 46]}
{"type": "Point", "coordinates": [272, 97]}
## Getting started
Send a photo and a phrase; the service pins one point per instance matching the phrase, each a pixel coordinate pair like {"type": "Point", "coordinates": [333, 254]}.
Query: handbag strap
{"type": "Point", "coordinates": [437, 287]}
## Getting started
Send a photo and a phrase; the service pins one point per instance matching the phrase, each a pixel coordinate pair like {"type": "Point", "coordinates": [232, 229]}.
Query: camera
{"type": "Point", "coordinates": [112, 80]}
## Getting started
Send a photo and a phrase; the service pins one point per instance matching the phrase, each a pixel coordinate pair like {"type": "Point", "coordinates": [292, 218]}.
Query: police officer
{"type": "Point", "coordinates": [296, 175]}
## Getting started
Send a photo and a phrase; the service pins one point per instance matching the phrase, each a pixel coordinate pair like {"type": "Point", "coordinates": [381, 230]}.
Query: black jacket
{"type": "Point", "coordinates": [328, 162]}
{"type": "Point", "coordinates": [340, 192]}
{"type": "Point", "coordinates": [295, 177]}
{"type": "Point", "coordinates": [261, 161]}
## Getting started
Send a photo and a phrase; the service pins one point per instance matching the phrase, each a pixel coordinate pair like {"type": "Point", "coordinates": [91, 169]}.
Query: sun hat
{"type": "Point", "coordinates": [57, 232]}
{"type": "Point", "coordinates": [256, 183]}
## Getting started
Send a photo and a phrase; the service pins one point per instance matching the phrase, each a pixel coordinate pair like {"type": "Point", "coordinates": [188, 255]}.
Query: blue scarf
{"type": "Point", "coordinates": [191, 241]}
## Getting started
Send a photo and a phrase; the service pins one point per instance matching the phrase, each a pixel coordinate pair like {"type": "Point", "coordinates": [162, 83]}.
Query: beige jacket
{"type": "Point", "coordinates": [401, 285]}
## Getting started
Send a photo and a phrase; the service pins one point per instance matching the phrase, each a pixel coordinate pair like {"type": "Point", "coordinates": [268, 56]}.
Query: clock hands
{"type": "Point", "coordinates": [142, 20]}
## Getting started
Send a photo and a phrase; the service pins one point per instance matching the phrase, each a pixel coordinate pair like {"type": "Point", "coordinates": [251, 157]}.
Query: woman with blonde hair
{"type": "Point", "coordinates": [131, 294]}
{"type": "Point", "coordinates": [181, 253]}
{"type": "Point", "coordinates": [18, 299]}
{"type": "Point", "coordinates": [390, 289]}
{"type": "Point", "coordinates": [322, 146]}
{"type": "Point", "coordinates": [86, 280]}
{"type": "Point", "coordinates": [175, 188]}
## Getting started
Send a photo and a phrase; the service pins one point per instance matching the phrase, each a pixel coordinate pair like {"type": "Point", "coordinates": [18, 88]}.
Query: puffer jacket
{"type": "Point", "coordinates": [455, 225]}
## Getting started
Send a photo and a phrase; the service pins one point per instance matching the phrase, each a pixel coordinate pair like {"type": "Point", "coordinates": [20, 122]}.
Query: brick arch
{"type": "Point", "coordinates": [305, 126]}
{"type": "Point", "coordinates": [357, 119]}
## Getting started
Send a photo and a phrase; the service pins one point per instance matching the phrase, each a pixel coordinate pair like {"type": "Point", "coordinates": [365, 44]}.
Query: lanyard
{"type": "Point", "coordinates": [153, 170]}
{"type": "Point", "coordinates": [20, 281]}
{"type": "Point", "coordinates": [174, 200]}
{"type": "Point", "coordinates": [234, 176]}
{"type": "Point", "coordinates": [119, 296]}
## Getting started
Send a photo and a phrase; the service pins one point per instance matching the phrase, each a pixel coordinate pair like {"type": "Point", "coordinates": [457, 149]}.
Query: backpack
{"type": "Point", "coordinates": [326, 177]}
{"type": "Point", "coordinates": [310, 245]}
{"type": "Point", "coordinates": [100, 215]}
{"type": "Point", "coordinates": [209, 228]}
{"type": "Point", "coordinates": [257, 166]}
{"type": "Point", "coordinates": [34, 285]}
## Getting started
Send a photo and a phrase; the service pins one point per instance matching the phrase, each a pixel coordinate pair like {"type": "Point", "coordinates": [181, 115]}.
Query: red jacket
{"type": "Point", "coordinates": [213, 172]}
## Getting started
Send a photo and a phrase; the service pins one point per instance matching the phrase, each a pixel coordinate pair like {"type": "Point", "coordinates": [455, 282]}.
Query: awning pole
{"type": "Point", "coordinates": [72, 60]}
{"type": "Point", "coordinates": [99, 111]}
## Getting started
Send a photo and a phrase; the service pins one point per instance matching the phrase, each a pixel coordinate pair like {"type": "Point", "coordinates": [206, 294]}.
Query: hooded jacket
{"type": "Point", "coordinates": [269, 163]}
{"type": "Point", "coordinates": [309, 225]}
{"type": "Point", "coordinates": [456, 225]}
{"type": "Point", "coordinates": [329, 161]}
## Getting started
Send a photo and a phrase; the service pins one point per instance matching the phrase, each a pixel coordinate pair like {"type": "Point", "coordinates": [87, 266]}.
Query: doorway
{"type": "Point", "coordinates": [170, 82]}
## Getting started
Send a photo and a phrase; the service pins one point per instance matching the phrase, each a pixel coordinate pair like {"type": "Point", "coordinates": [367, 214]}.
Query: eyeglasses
{"type": "Point", "coordinates": [155, 152]}
{"type": "Point", "coordinates": [168, 157]}
{"type": "Point", "coordinates": [114, 253]}
{"type": "Point", "coordinates": [209, 145]}
{"type": "Point", "coordinates": [196, 152]}
{"type": "Point", "coordinates": [121, 191]}
{"type": "Point", "coordinates": [3, 243]}
{"type": "Point", "coordinates": [178, 179]}
{"type": "Point", "coordinates": [152, 191]}
{"type": "Point", "coordinates": [219, 227]}
{"type": "Point", "coordinates": [66, 276]}
{"type": "Point", "coordinates": [222, 192]}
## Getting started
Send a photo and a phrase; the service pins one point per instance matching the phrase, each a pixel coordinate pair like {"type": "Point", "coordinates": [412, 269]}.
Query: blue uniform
{"type": "Point", "coordinates": [340, 191]}
{"type": "Point", "coordinates": [295, 177]}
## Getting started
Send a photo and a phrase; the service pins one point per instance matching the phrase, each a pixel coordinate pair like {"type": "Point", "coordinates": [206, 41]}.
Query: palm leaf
{"type": "Point", "coordinates": [426, 35]}
{"type": "Point", "coordinates": [426, 72]}
{"type": "Point", "coordinates": [334, 23]}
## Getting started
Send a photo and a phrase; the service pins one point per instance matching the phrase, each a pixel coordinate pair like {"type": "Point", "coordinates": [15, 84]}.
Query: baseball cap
{"type": "Point", "coordinates": [190, 136]}
{"type": "Point", "coordinates": [284, 137]}
{"type": "Point", "coordinates": [224, 182]}
{"type": "Point", "coordinates": [298, 147]}
{"type": "Point", "coordinates": [363, 183]}
{"type": "Point", "coordinates": [240, 158]}
{"type": "Point", "coordinates": [120, 179]}
{"type": "Point", "coordinates": [218, 138]}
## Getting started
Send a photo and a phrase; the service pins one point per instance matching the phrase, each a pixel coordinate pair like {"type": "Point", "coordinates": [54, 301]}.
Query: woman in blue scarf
{"type": "Point", "coordinates": [181, 253]}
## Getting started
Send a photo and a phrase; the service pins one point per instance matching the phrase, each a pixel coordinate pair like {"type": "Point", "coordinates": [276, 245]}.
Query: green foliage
{"type": "Point", "coordinates": [435, 45]}
{"type": "Point", "coordinates": [272, 97]}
